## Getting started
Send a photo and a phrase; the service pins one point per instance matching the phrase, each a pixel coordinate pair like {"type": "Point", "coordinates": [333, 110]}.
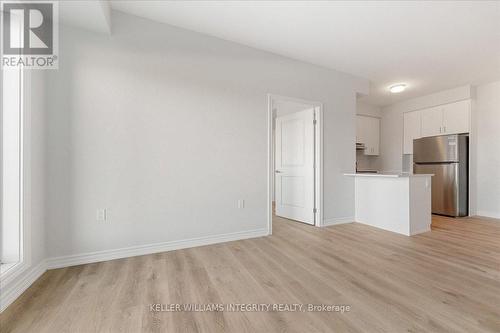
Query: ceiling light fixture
{"type": "Point", "coordinates": [397, 88]}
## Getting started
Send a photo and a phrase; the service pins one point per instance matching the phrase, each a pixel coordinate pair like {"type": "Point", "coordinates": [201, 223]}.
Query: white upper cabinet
{"type": "Point", "coordinates": [432, 121]}
{"type": "Point", "coordinates": [453, 118]}
{"type": "Point", "coordinates": [368, 132]}
{"type": "Point", "coordinates": [373, 145]}
{"type": "Point", "coordinates": [360, 129]}
{"type": "Point", "coordinates": [456, 117]}
{"type": "Point", "coordinates": [412, 130]}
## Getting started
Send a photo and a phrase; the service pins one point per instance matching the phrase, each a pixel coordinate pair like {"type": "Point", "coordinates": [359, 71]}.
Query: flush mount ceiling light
{"type": "Point", "coordinates": [397, 88]}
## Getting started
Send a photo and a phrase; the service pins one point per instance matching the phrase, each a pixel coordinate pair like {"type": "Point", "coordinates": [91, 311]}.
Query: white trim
{"type": "Point", "coordinates": [318, 110]}
{"type": "Point", "coordinates": [420, 231]}
{"type": "Point", "coordinates": [105, 255]}
{"type": "Point", "coordinates": [13, 273]}
{"type": "Point", "coordinates": [12, 287]}
{"type": "Point", "coordinates": [368, 115]}
{"type": "Point", "coordinates": [491, 215]}
{"type": "Point", "coordinates": [11, 292]}
{"type": "Point", "coordinates": [24, 181]}
{"type": "Point", "coordinates": [270, 164]}
{"type": "Point", "coordinates": [337, 220]}
{"type": "Point", "coordinates": [25, 246]}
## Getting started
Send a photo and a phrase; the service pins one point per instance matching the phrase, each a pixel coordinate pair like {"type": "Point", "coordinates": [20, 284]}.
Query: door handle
{"type": "Point", "coordinates": [277, 171]}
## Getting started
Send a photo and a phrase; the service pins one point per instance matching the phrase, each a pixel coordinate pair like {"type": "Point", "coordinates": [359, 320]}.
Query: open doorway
{"type": "Point", "coordinates": [295, 160]}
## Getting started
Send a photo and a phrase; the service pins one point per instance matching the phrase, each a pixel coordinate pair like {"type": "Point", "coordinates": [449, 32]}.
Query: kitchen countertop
{"type": "Point", "coordinates": [390, 175]}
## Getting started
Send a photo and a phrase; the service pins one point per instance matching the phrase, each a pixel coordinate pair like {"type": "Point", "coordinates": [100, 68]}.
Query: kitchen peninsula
{"type": "Point", "coordinates": [399, 202]}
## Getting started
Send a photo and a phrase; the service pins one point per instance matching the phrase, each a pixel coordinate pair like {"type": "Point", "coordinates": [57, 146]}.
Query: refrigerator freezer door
{"type": "Point", "coordinates": [445, 190]}
{"type": "Point", "coordinates": [436, 149]}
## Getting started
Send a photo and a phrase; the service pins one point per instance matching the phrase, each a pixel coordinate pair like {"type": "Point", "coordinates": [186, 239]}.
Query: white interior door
{"type": "Point", "coordinates": [295, 166]}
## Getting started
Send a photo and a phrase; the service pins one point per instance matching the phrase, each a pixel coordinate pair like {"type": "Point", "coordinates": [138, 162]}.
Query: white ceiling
{"type": "Point", "coordinates": [91, 15]}
{"type": "Point", "coordinates": [431, 46]}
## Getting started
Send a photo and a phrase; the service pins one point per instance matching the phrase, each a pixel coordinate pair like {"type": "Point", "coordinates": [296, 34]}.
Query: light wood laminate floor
{"type": "Point", "coordinates": [446, 280]}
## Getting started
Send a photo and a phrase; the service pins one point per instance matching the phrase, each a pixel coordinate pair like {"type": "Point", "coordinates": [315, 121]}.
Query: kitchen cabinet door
{"type": "Point", "coordinates": [412, 130]}
{"type": "Point", "coordinates": [432, 121]}
{"type": "Point", "coordinates": [456, 117]}
{"type": "Point", "coordinates": [372, 136]}
{"type": "Point", "coordinates": [360, 129]}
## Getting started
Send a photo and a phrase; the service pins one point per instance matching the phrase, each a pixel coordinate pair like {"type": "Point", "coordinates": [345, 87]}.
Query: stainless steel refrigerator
{"type": "Point", "coordinates": [447, 157]}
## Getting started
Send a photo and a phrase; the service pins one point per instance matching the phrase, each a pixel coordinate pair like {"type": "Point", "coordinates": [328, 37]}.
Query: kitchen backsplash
{"type": "Point", "coordinates": [367, 162]}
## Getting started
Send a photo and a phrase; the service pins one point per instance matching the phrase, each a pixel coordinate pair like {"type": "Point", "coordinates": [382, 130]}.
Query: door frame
{"type": "Point", "coordinates": [318, 156]}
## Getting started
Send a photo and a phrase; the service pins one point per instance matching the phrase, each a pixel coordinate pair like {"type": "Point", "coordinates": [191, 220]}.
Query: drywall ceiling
{"type": "Point", "coordinates": [93, 15]}
{"type": "Point", "coordinates": [431, 46]}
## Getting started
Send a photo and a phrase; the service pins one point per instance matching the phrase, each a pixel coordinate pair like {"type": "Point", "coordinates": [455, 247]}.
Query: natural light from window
{"type": "Point", "coordinates": [11, 174]}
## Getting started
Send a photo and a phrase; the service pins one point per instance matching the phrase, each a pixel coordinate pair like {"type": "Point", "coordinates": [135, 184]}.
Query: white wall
{"type": "Point", "coordinates": [487, 112]}
{"type": "Point", "coordinates": [167, 129]}
{"type": "Point", "coordinates": [37, 182]}
{"type": "Point", "coordinates": [391, 145]}
{"type": "Point", "coordinates": [364, 109]}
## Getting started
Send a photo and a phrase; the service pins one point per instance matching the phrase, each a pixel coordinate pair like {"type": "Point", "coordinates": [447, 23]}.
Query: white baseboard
{"type": "Point", "coordinates": [420, 231]}
{"type": "Point", "coordinates": [493, 215]}
{"type": "Point", "coordinates": [86, 258]}
{"type": "Point", "coordinates": [337, 220]}
{"type": "Point", "coordinates": [11, 291]}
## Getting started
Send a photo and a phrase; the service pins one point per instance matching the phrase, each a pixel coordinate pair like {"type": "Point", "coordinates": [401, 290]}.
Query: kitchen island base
{"type": "Point", "coordinates": [395, 202]}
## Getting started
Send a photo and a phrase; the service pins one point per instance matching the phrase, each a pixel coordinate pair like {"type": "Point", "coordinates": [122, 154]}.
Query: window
{"type": "Point", "coordinates": [11, 83]}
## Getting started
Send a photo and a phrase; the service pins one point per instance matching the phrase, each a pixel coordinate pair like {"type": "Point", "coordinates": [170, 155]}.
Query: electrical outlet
{"type": "Point", "coordinates": [101, 215]}
{"type": "Point", "coordinates": [241, 204]}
